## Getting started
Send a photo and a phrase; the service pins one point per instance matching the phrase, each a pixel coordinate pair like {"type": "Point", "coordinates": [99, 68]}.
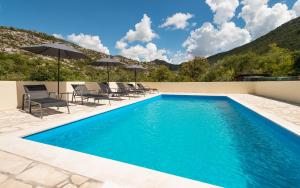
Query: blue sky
{"type": "Point", "coordinates": [110, 20]}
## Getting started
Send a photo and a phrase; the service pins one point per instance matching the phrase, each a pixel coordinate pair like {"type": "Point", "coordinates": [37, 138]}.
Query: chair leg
{"type": "Point", "coordinates": [23, 101]}
{"type": "Point", "coordinates": [41, 109]}
{"type": "Point", "coordinates": [68, 108]}
{"type": "Point", "coordinates": [29, 107]}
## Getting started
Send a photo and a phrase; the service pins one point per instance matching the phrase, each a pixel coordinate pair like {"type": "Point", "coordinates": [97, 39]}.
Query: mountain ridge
{"type": "Point", "coordinates": [11, 39]}
{"type": "Point", "coordinates": [285, 36]}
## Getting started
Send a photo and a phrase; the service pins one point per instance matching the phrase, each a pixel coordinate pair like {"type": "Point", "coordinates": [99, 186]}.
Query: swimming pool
{"type": "Point", "coordinates": [209, 139]}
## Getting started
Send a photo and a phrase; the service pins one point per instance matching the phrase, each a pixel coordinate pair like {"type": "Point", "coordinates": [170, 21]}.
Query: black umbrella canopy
{"type": "Point", "coordinates": [55, 50]}
{"type": "Point", "coordinates": [107, 62]}
{"type": "Point", "coordinates": [58, 50]}
{"type": "Point", "coordinates": [135, 68]}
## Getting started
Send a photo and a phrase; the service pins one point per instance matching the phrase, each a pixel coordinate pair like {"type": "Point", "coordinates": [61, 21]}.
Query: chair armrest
{"type": "Point", "coordinates": [26, 96]}
{"type": "Point", "coordinates": [77, 93]}
{"type": "Point", "coordinates": [102, 92]}
{"type": "Point", "coordinates": [53, 93]}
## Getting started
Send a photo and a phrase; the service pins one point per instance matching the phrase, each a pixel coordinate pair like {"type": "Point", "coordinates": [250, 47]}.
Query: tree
{"type": "Point", "coordinates": [296, 67]}
{"type": "Point", "coordinates": [194, 70]}
{"type": "Point", "coordinates": [161, 74]}
{"type": "Point", "coordinates": [278, 61]}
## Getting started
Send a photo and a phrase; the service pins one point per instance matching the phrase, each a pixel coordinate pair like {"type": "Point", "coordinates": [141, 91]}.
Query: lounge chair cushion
{"type": "Point", "coordinates": [50, 102]}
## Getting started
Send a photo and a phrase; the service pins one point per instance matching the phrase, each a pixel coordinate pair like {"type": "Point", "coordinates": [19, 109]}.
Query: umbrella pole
{"type": "Point", "coordinates": [135, 77]}
{"type": "Point", "coordinates": [58, 72]}
{"type": "Point", "coordinates": [107, 73]}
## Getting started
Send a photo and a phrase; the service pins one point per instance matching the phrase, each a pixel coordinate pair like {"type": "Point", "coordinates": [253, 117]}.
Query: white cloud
{"type": "Point", "coordinates": [224, 9]}
{"type": "Point", "coordinates": [260, 18]}
{"type": "Point", "coordinates": [178, 20]}
{"type": "Point", "coordinates": [296, 8]}
{"type": "Point", "coordinates": [121, 44]}
{"type": "Point", "coordinates": [208, 40]}
{"type": "Point", "coordinates": [59, 36]}
{"type": "Point", "coordinates": [144, 53]}
{"type": "Point", "coordinates": [180, 57]}
{"type": "Point", "coordinates": [143, 31]}
{"type": "Point", "coordinates": [88, 41]}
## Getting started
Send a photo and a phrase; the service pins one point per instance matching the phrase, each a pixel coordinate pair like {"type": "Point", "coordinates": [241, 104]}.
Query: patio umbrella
{"type": "Point", "coordinates": [107, 62]}
{"type": "Point", "coordinates": [135, 68]}
{"type": "Point", "coordinates": [58, 50]}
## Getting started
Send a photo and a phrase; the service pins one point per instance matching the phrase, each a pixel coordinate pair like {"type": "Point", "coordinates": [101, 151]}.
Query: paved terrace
{"type": "Point", "coordinates": [20, 172]}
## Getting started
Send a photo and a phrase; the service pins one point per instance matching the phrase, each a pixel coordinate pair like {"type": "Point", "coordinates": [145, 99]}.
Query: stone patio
{"type": "Point", "coordinates": [286, 111]}
{"type": "Point", "coordinates": [20, 172]}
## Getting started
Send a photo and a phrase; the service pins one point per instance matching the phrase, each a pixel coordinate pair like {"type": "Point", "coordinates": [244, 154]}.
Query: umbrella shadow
{"type": "Point", "coordinates": [46, 111]}
{"type": "Point", "coordinates": [89, 104]}
{"type": "Point", "coordinates": [136, 96]}
{"type": "Point", "coordinates": [116, 99]}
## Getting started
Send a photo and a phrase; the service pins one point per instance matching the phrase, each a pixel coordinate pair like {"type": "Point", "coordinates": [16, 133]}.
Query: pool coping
{"type": "Point", "coordinates": [107, 170]}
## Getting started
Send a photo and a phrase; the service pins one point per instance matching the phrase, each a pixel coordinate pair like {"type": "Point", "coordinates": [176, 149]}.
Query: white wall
{"type": "Point", "coordinates": [8, 95]}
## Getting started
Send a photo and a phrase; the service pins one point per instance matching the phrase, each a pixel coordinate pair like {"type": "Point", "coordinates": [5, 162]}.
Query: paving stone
{"type": "Point", "coordinates": [11, 183]}
{"type": "Point", "coordinates": [12, 164]}
{"type": "Point", "coordinates": [77, 180]}
{"type": "Point", "coordinates": [2, 178]}
{"type": "Point", "coordinates": [69, 185]}
{"type": "Point", "coordinates": [91, 184]}
{"type": "Point", "coordinates": [43, 174]}
{"type": "Point", "coordinates": [62, 183]}
{"type": "Point", "coordinates": [8, 129]}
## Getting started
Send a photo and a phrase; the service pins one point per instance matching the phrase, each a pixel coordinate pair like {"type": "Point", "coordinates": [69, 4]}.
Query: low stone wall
{"type": "Point", "coordinates": [11, 92]}
{"type": "Point", "coordinates": [288, 91]}
{"type": "Point", "coordinates": [203, 87]}
{"type": "Point", "coordinates": [8, 95]}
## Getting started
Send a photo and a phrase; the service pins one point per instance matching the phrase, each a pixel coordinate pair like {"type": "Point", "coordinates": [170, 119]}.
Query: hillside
{"type": "Point", "coordinates": [286, 36]}
{"type": "Point", "coordinates": [11, 39]}
{"type": "Point", "coordinates": [172, 67]}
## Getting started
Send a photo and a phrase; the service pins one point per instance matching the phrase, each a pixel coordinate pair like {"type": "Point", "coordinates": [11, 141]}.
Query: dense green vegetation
{"type": "Point", "coordinates": [275, 62]}
{"type": "Point", "coordinates": [23, 67]}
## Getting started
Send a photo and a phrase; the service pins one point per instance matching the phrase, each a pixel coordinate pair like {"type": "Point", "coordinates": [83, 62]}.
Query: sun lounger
{"type": "Point", "coordinates": [147, 89]}
{"type": "Point", "coordinates": [122, 87]}
{"type": "Point", "coordinates": [39, 95]}
{"type": "Point", "coordinates": [105, 88]}
{"type": "Point", "coordinates": [136, 90]}
{"type": "Point", "coordinates": [80, 90]}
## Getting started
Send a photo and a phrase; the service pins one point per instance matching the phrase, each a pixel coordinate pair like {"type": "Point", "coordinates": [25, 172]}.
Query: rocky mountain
{"type": "Point", "coordinates": [11, 39]}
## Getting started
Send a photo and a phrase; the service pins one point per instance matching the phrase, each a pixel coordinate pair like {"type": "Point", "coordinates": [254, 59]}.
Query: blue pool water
{"type": "Point", "coordinates": [209, 139]}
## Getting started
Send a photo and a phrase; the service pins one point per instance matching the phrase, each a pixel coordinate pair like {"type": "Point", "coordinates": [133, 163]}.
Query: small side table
{"type": "Point", "coordinates": [67, 94]}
